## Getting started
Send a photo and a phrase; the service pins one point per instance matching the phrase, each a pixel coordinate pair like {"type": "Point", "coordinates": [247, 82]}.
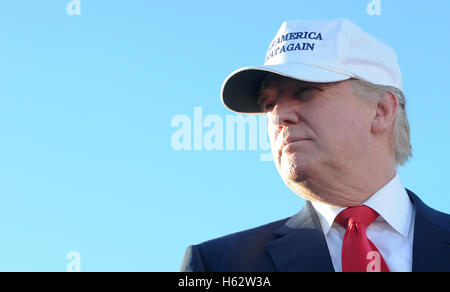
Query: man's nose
{"type": "Point", "coordinates": [285, 112]}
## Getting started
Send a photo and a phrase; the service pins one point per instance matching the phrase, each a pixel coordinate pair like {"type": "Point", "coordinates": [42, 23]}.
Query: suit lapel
{"type": "Point", "coordinates": [431, 245]}
{"type": "Point", "coordinates": [301, 245]}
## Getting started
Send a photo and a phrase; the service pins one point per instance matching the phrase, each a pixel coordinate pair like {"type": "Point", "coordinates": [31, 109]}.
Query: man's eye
{"type": "Point", "coordinates": [269, 106]}
{"type": "Point", "coordinates": [304, 93]}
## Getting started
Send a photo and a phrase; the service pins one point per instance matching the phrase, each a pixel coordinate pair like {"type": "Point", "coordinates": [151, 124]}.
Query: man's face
{"type": "Point", "coordinates": [317, 131]}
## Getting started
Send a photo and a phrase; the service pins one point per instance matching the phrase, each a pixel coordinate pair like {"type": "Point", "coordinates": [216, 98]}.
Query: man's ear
{"type": "Point", "coordinates": [385, 114]}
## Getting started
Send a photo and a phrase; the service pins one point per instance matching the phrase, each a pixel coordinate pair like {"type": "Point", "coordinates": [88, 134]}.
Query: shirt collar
{"type": "Point", "coordinates": [391, 202]}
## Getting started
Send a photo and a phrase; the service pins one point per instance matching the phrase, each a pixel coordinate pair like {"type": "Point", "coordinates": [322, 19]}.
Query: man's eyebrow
{"type": "Point", "coordinates": [262, 96]}
{"type": "Point", "coordinates": [319, 85]}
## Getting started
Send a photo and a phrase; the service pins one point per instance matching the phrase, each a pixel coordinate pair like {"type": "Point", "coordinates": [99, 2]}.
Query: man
{"type": "Point", "coordinates": [338, 130]}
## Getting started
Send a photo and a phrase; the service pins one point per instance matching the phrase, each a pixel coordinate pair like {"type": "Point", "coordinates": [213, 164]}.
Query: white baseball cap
{"type": "Point", "coordinates": [315, 51]}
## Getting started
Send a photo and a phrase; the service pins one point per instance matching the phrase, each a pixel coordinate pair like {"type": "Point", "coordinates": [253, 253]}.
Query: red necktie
{"type": "Point", "coordinates": [359, 254]}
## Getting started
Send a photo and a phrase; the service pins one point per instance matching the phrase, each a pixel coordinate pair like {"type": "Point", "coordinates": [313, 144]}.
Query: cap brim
{"type": "Point", "coordinates": [240, 89]}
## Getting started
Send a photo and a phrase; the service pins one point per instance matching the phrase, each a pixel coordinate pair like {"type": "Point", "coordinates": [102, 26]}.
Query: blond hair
{"type": "Point", "coordinates": [402, 143]}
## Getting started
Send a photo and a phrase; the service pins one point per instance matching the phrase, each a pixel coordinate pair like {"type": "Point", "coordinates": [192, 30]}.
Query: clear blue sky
{"type": "Point", "coordinates": [87, 102]}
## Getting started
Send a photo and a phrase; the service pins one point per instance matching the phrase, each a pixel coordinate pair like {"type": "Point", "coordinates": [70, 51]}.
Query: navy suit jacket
{"type": "Point", "coordinates": [297, 244]}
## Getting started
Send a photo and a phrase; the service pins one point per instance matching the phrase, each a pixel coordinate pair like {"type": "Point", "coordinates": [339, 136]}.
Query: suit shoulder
{"type": "Point", "coordinates": [431, 214]}
{"type": "Point", "coordinates": [439, 218]}
{"type": "Point", "coordinates": [256, 232]}
{"type": "Point", "coordinates": [250, 239]}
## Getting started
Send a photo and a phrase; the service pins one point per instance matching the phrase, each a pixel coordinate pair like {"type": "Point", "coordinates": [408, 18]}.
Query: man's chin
{"type": "Point", "coordinates": [294, 174]}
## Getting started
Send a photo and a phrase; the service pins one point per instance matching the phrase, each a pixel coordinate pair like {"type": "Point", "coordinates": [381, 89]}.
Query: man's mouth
{"type": "Point", "coordinates": [292, 140]}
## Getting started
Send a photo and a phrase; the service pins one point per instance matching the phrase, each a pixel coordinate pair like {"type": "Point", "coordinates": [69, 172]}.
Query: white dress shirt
{"type": "Point", "coordinates": [392, 232]}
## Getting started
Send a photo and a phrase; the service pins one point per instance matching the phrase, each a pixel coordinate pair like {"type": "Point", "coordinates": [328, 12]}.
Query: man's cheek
{"type": "Point", "coordinates": [273, 134]}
